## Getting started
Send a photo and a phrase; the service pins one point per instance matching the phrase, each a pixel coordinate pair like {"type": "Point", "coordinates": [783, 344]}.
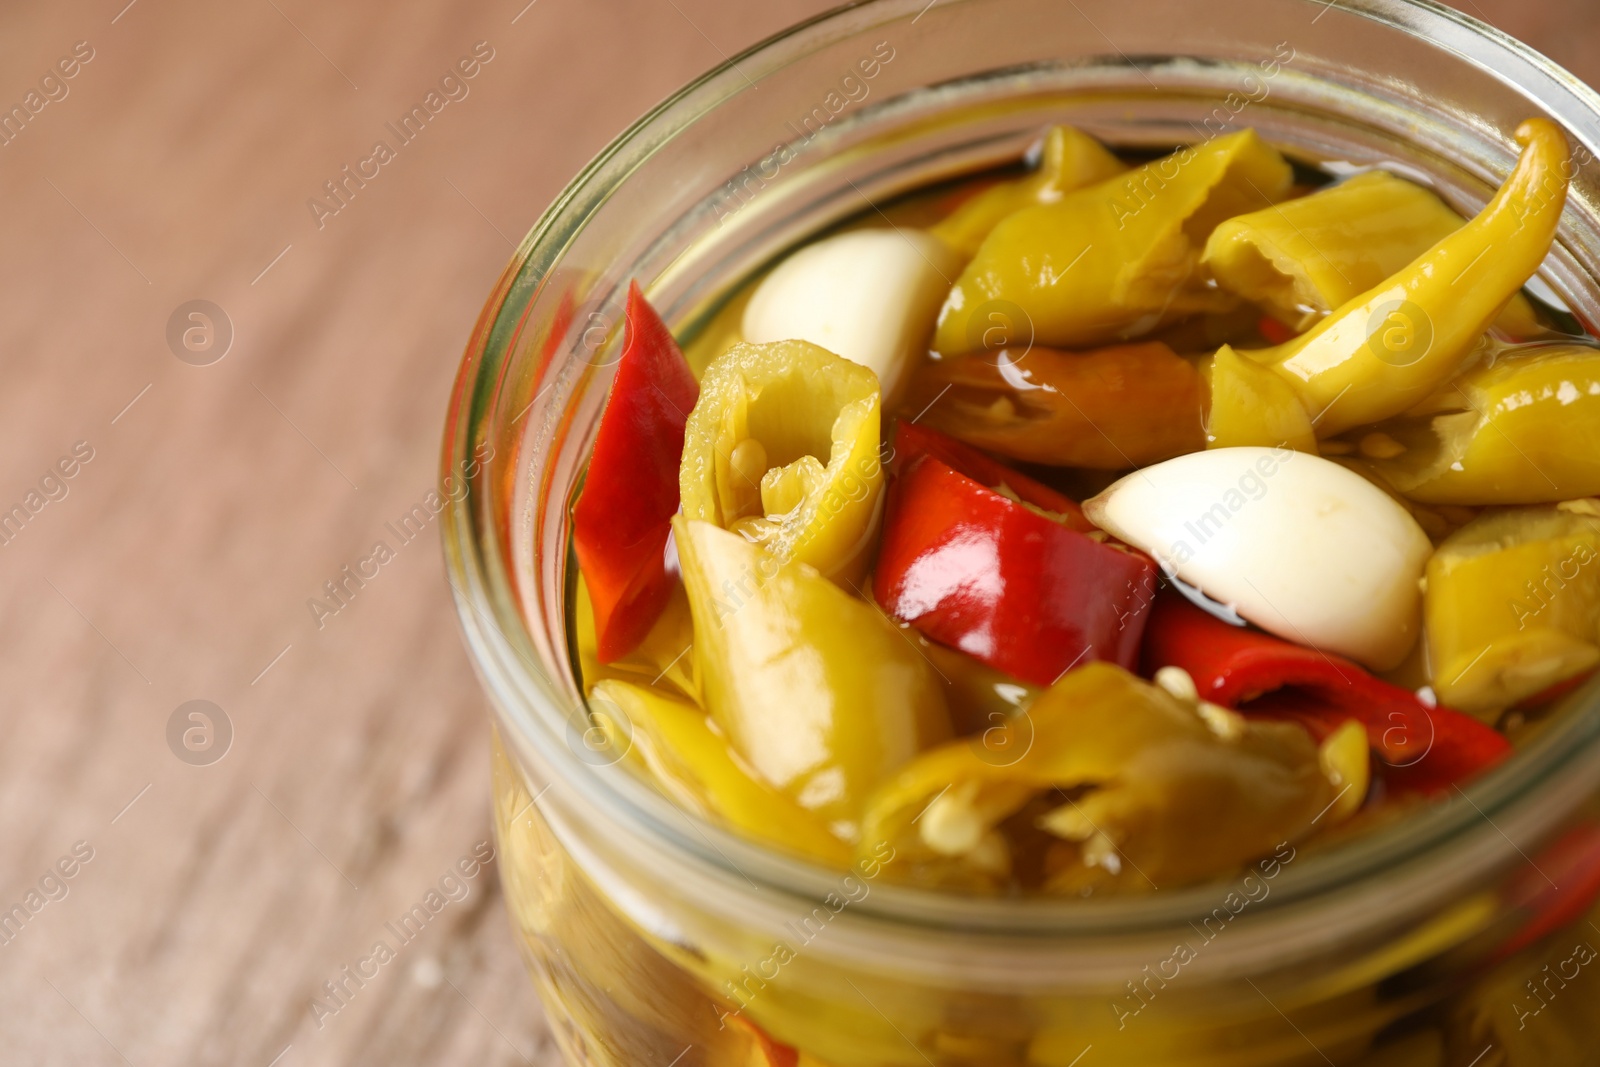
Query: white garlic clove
{"type": "Point", "coordinates": [1300, 546]}
{"type": "Point", "coordinates": [870, 296]}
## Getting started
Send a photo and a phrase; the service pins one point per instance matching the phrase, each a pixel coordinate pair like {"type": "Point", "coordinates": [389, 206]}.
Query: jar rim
{"type": "Point", "coordinates": [490, 609]}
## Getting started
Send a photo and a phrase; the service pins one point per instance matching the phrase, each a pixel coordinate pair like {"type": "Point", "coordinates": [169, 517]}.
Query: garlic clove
{"type": "Point", "coordinates": [1298, 545]}
{"type": "Point", "coordinates": [870, 296]}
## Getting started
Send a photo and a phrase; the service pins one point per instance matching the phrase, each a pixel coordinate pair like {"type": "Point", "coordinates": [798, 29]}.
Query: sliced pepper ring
{"type": "Point", "coordinates": [754, 450]}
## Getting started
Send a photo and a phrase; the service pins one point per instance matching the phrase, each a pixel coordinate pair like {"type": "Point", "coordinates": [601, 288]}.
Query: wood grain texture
{"type": "Point", "coordinates": [177, 566]}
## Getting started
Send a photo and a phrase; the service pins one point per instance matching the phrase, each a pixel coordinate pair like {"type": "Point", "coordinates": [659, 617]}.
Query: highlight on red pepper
{"type": "Point", "coordinates": [1417, 748]}
{"type": "Point", "coordinates": [623, 516]}
{"type": "Point", "coordinates": [1007, 578]}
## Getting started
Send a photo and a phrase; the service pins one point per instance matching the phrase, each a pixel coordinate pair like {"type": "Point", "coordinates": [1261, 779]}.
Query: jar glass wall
{"type": "Point", "coordinates": [656, 937]}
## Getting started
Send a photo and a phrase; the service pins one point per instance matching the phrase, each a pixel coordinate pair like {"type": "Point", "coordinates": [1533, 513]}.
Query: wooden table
{"type": "Point", "coordinates": [208, 500]}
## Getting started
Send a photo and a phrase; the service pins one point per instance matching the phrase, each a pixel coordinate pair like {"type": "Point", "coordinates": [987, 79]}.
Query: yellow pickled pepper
{"type": "Point", "coordinates": [1117, 258]}
{"type": "Point", "coordinates": [693, 765]}
{"type": "Point", "coordinates": [1396, 343]}
{"type": "Point", "coordinates": [1252, 405]}
{"type": "Point", "coordinates": [1512, 605]}
{"type": "Point", "coordinates": [1070, 159]}
{"type": "Point", "coordinates": [1305, 257]}
{"type": "Point", "coordinates": [817, 690]}
{"type": "Point", "coordinates": [1523, 430]}
{"type": "Point", "coordinates": [782, 446]}
{"type": "Point", "coordinates": [1170, 787]}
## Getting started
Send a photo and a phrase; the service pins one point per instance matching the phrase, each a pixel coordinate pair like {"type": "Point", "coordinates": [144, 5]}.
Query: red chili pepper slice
{"type": "Point", "coordinates": [911, 441]}
{"type": "Point", "coordinates": [985, 574]}
{"type": "Point", "coordinates": [624, 515]}
{"type": "Point", "coordinates": [1419, 749]}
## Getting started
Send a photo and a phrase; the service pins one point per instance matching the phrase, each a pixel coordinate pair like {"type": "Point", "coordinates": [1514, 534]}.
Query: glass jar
{"type": "Point", "coordinates": [1457, 935]}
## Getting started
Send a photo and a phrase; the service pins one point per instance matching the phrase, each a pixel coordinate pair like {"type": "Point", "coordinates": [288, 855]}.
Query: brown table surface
{"type": "Point", "coordinates": [218, 499]}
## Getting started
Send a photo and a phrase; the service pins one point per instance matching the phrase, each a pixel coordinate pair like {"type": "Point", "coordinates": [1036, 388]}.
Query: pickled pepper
{"type": "Point", "coordinates": [1009, 584]}
{"type": "Point", "coordinates": [1512, 605]}
{"type": "Point", "coordinates": [1143, 789]}
{"type": "Point", "coordinates": [783, 448]}
{"type": "Point", "coordinates": [1116, 259]}
{"type": "Point", "coordinates": [621, 521]}
{"type": "Point", "coordinates": [1069, 159]}
{"type": "Point", "coordinates": [1524, 429]}
{"type": "Point", "coordinates": [815, 689]}
{"type": "Point", "coordinates": [1305, 257]}
{"type": "Point", "coordinates": [1390, 347]}
{"type": "Point", "coordinates": [1251, 405]}
{"type": "Point", "coordinates": [1110, 409]}
{"type": "Point", "coordinates": [1419, 748]}
{"type": "Point", "coordinates": [691, 763]}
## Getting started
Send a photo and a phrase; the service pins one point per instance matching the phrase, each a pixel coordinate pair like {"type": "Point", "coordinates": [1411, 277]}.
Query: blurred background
{"type": "Point", "coordinates": [229, 333]}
